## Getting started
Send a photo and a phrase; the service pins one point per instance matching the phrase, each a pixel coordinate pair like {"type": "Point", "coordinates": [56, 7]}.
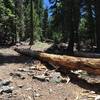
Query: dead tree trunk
{"type": "Point", "coordinates": [90, 65]}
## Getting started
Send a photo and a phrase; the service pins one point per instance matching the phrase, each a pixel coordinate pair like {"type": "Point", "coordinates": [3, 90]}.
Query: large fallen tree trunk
{"type": "Point", "coordinates": [90, 65]}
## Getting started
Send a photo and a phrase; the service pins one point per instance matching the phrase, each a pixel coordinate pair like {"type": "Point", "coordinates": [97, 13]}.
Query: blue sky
{"type": "Point", "coordinates": [46, 3]}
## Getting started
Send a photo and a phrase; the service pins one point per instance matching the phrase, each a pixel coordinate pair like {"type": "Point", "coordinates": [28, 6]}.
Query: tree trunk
{"type": "Point", "coordinates": [74, 10]}
{"type": "Point", "coordinates": [32, 24]}
{"type": "Point", "coordinates": [98, 24]}
{"type": "Point", "coordinates": [71, 63]}
{"type": "Point", "coordinates": [19, 20]}
{"type": "Point", "coordinates": [90, 19]}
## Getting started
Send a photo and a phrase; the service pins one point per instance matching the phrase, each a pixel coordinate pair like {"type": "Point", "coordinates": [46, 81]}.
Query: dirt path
{"type": "Point", "coordinates": [19, 71]}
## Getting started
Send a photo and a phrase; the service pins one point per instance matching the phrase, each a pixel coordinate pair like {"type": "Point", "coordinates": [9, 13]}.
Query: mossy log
{"type": "Point", "coordinates": [91, 65]}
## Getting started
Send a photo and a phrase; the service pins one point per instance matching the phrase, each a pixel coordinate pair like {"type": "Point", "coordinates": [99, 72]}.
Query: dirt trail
{"type": "Point", "coordinates": [19, 70]}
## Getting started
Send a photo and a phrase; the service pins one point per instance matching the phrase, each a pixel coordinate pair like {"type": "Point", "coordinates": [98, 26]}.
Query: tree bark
{"type": "Point", "coordinates": [91, 65]}
{"type": "Point", "coordinates": [32, 24]}
{"type": "Point", "coordinates": [98, 24]}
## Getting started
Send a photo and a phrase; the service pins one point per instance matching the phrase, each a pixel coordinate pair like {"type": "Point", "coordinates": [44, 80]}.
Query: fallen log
{"type": "Point", "coordinates": [91, 65]}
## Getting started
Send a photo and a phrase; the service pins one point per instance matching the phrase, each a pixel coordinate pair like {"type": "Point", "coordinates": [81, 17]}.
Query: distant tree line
{"type": "Point", "coordinates": [68, 21]}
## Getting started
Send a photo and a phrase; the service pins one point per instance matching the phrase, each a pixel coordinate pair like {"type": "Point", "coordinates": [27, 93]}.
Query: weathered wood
{"type": "Point", "coordinates": [91, 65]}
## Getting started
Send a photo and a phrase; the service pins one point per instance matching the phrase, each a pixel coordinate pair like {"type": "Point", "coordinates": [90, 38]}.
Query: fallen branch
{"type": "Point", "coordinates": [90, 65]}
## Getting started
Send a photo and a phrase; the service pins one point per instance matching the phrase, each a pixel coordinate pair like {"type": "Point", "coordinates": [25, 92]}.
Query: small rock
{"type": "Point", "coordinates": [20, 86]}
{"type": "Point", "coordinates": [15, 93]}
{"type": "Point", "coordinates": [16, 74]}
{"type": "Point", "coordinates": [50, 90]}
{"type": "Point", "coordinates": [9, 95]}
{"type": "Point", "coordinates": [29, 98]}
{"type": "Point", "coordinates": [47, 79]}
{"type": "Point", "coordinates": [4, 82]}
{"type": "Point", "coordinates": [92, 92]}
{"type": "Point", "coordinates": [23, 70]}
{"type": "Point", "coordinates": [28, 89]}
{"type": "Point", "coordinates": [22, 77]}
{"type": "Point", "coordinates": [55, 77]}
{"type": "Point", "coordinates": [40, 77]}
{"type": "Point", "coordinates": [97, 97]}
{"type": "Point", "coordinates": [6, 89]}
{"type": "Point", "coordinates": [30, 74]}
{"type": "Point", "coordinates": [37, 95]}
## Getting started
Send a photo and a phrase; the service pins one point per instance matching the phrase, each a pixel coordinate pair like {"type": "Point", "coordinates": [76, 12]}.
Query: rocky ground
{"type": "Point", "coordinates": [24, 78]}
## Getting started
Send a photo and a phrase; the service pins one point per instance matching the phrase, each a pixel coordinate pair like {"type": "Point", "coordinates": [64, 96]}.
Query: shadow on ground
{"type": "Point", "coordinates": [12, 59]}
{"type": "Point", "coordinates": [83, 83]}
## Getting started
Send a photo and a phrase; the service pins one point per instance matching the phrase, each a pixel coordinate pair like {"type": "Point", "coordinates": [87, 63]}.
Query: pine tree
{"type": "Point", "coordinates": [45, 24]}
{"type": "Point", "coordinates": [19, 15]}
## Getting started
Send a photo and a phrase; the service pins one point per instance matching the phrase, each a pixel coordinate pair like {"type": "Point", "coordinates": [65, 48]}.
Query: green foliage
{"type": "Point", "coordinates": [37, 28]}
{"type": "Point", "coordinates": [15, 20]}
{"type": "Point", "coordinates": [82, 26]}
{"type": "Point", "coordinates": [37, 14]}
{"type": "Point", "coordinates": [57, 36]}
{"type": "Point", "coordinates": [6, 21]}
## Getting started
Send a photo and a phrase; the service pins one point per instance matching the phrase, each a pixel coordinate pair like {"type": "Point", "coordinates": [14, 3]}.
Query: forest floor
{"type": "Point", "coordinates": [24, 78]}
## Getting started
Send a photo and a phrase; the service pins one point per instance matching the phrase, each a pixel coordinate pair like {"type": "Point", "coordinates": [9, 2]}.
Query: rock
{"type": "Point", "coordinates": [37, 95]}
{"type": "Point", "coordinates": [30, 74]}
{"type": "Point", "coordinates": [5, 82]}
{"type": "Point", "coordinates": [47, 79]}
{"type": "Point", "coordinates": [30, 98]}
{"type": "Point", "coordinates": [92, 92]}
{"type": "Point", "coordinates": [97, 97]}
{"type": "Point", "coordinates": [50, 90]}
{"type": "Point", "coordinates": [55, 77]}
{"type": "Point", "coordinates": [6, 89]}
{"type": "Point", "coordinates": [20, 86]}
{"type": "Point", "coordinates": [23, 70]}
{"type": "Point", "coordinates": [28, 89]}
{"type": "Point", "coordinates": [40, 77]}
{"type": "Point", "coordinates": [9, 95]}
{"type": "Point", "coordinates": [17, 75]}
{"type": "Point", "coordinates": [22, 77]}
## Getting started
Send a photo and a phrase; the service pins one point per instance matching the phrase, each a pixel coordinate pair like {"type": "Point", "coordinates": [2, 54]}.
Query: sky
{"type": "Point", "coordinates": [46, 3]}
